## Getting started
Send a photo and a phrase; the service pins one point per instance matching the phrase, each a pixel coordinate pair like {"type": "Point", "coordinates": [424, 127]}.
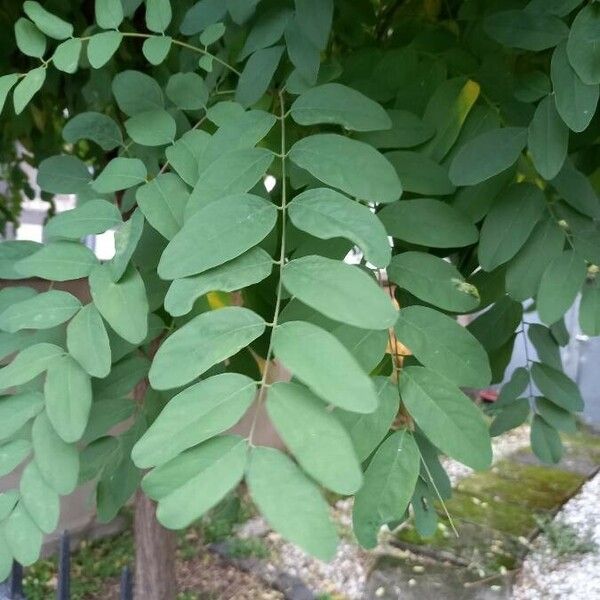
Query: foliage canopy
{"type": "Point", "coordinates": [466, 131]}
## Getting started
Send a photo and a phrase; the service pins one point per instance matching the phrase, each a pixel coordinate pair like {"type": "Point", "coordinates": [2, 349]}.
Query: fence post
{"type": "Point", "coordinates": [126, 584]}
{"type": "Point", "coordinates": [63, 591]}
{"type": "Point", "coordinates": [16, 581]}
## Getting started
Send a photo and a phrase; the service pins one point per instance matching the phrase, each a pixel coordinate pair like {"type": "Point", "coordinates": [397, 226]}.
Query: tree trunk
{"type": "Point", "coordinates": [154, 554]}
{"type": "Point", "coordinates": [154, 545]}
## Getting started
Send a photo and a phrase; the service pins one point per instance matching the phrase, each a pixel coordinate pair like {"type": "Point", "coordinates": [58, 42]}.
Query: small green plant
{"type": "Point", "coordinates": [248, 548]}
{"type": "Point", "coordinates": [564, 539]}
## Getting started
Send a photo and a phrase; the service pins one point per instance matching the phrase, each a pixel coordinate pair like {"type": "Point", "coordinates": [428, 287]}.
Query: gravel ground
{"type": "Point", "coordinates": [547, 577]}
{"type": "Point", "coordinates": [347, 573]}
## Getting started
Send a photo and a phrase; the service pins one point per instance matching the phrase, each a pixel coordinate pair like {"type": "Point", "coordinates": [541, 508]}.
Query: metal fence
{"type": "Point", "coordinates": [12, 588]}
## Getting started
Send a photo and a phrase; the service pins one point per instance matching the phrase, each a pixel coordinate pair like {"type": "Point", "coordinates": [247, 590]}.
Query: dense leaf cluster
{"type": "Point", "coordinates": [249, 146]}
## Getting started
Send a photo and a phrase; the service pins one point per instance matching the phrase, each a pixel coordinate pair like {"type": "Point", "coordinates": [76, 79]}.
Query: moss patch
{"type": "Point", "coordinates": [534, 487]}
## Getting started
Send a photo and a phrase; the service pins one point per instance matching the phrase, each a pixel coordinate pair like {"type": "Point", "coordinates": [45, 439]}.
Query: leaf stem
{"type": "Point", "coordinates": [280, 262]}
{"type": "Point", "coordinates": [177, 43]}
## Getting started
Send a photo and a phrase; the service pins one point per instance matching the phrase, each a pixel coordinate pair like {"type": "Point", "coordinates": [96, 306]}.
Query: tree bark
{"type": "Point", "coordinates": [154, 545]}
{"type": "Point", "coordinates": [154, 554]}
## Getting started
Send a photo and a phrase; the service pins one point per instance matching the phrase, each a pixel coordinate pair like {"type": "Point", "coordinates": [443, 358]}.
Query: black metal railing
{"type": "Point", "coordinates": [12, 588]}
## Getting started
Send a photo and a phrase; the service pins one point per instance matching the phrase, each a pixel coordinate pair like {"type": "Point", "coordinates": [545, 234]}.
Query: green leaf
{"type": "Point", "coordinates": [57, 461]}
{"type": "Point", "coordinates": [213, 33]}
{"type": "Point", "coordinates": [390, 480]}
{"type": "Point", "coordinates": [151, 128]}
{"type": "Point", "coordinates": [559, 286]}
{"type": "Point", "coordinates": [105, 414]}
{"type": "Point", "coordinates": [203, 342]}
{"type": "Point", "coordinates": [123, 304]}
{"type": "Point", "coordinates": [30, 40]}
{"type": "Point", "coordinates": [87, 342]}
{"type": "Point", "coordinates": [201, 15]}
{"type": "Point", "coordinates": [187, 91]}
{"type": "Point", "coordinates": [545, 345]}
{"type": "Point", "coordinates": [526, 30]}
{"type": "Point", "coordinates": [560, 8]}
{"type": "Point", "coordinates": [12, 454]}
{"type": "Point", "coordinates": [532, 86]}
{"type": "Point", "coordinates": [28, 364]}
{"type": "Point", "coordinates": [193, 416]}
{"type": "Point", "coordinates": [366, 345]}
{"type": "Point", "coordinates": [102, 46]}
{"type": "Point", "coordinates": [257, 74]}
{"type": "Point", "coordinates": [575, 101]}
{"type": "Point", "coordinates": [40, 500]}
{"type": "Point", "coordinates": [233, 172]}
{"type": "Point", "coordinates": [311, 432]}
{"type": "Point", "coordinates": [156, 48]}
{"type": "Point", "coordinates": [27, 88]}
{"type": "Point", "coordinates": [126, 241]}
{"type": "Point", "coordinates": [6, 84]}
{"type": "Point", "coordinates": [495, 326]}
{"type": "Point", "coordinates": [545, 441]}
{"type": "Point", "coordinates": [524, 271]}
{"type": "Point", "coordinates": [210, 471]}
{"type": "Point", "coordinates": [248, 268]}
{"type": "Point", "coordinates": [368, 430]}
{"type": "Point", "coordinates": [267, 30]}
{"type": "Point", "coordinates": [340, 291]}
{"type": "Point", "coordinates": [96, 127]}
{"type": "Point", "coordinates": [508, 225]}
{"type": "Point", "coordinates": [23, 536]}
{"type": "Point", "coordinates": [63, 174]}
{"type": "Point", "coordinates": [47, 22]}
{"type": "Point", "coordinates": [314, 18]}
{"type": "Point", "coordinates": [577, 191]}
{"type": "Point", "coordinates": [66, 56]}
{"type": "Point", "coordinates": [119, 174]}
{"type": "Point", "coordinates": [341, 105]}
{"type": "Point", "coordinates": [216, 234]}
{"type": "Point", "coordinates": [327, 214]}
{"type": "Point", "coordinates": [43, 311]}
{"type": "Point", "coordinates": [290, 502]}
{"type": "Point", "coordinates": [123, 377]}
{"type": "Point", "coordinates": [557, 387]}
{"type": "Point", "coordinates": [406, 131]}
{"type": "Point", "coordinates": [318, 359]}
{"type": "Point", "coordinates": [158, 15]}
{"type": "Point", "coordinates": [6, 558]}
{"type": "Point", "coordinates": [59, 261]}
{"type": "Point", "coordinates": [108, 13]}
{"type": "Point", "coordinates": [487, 155]}
{"type": "Point", "coordinates": [8, 500]}
{"type": "Point", "coordinates": [589, 308]}
{"type": "Point", "coordinates": [205, 62]}
{"type": "Point", "coordinates": [434, 280]}
{"type": "Point", "coordinates": [162, 201]}
{"type": "Point", "coordinates": [448, 418]}
{"type": "Point", "coordinates": [420, 174]}
{"type": "Point", "coordinates": [558, 418]}
{"type": "Point", "coordinates": [137, 92]}
{"type": "Point", "coordinates": [428, 222]}
{"type": "Point", "coordinates": [446, 113]}
{"type": "Point", "coordinates": [513, 388]}
{"type": "Point", "coordinates": [95, 216]}
{"type": "Point", "coordinates": [349, 165]}
{"type": "Point", "coordinates": [16, 410]}
{"type": "Point", "coordinates": [510, 417]}
{"type": "Point", "coordinates": [583, 45]}
{"type": "Point", "coordinates": [548, 139]}
{"type": "Point", "coordinates": [68, 393]}
{"type": "Point", "coordinates": [303, 54]}
{"type": "Point", "coordinates": [443, 346]}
